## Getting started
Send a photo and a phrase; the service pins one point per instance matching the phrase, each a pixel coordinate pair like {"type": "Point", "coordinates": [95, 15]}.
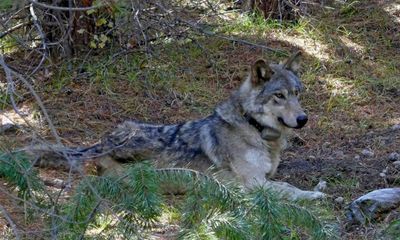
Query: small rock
{"type": "Point", "coordinates": [367, 153]}
{"type": "Point", "coordinates": [357, 157]}
{"type": "Point", "coordinates": [394, 156]}
{"type": "Point", "coordinates": [396, 127]}
{"type": "Point", "coordinates": [396, 164]}
{"type": "Point", "coordinates": [321, 186]}
{"type": "Point", "coordinates": [373, 204]}
{"type": "Point", "coordinates": [385, 170]}
{"type": "Point", "coordinates": [339, 200]}
{"type": "Point", "coordinates": [382, 174]}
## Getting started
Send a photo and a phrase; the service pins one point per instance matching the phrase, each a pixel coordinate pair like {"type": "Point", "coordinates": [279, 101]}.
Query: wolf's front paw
{"type": "Point", "coordinates": [308, 195]}
{"type": "Point", "coordinates": [317, 195]}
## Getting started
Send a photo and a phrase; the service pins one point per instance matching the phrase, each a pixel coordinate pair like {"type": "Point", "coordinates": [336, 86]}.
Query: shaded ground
{"type": "Point", "coordinates": [348, 172]}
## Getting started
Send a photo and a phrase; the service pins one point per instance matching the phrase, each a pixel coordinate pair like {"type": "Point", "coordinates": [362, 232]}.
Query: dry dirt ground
{"type": "Point", "coordinates": [350, 110]}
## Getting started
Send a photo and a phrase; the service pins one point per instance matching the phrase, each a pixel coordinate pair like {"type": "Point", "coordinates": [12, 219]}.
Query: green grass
{"type": "Point", "coordinates": [177, 75]}
{"type": "Point", "coordinates": [5, 4]}
{"type": "Point", "coordinates": [8, 45]}
{"type": "Point", "coordinates": [256, 24]}
{"type": "Point", "coordinates": [345, 184]}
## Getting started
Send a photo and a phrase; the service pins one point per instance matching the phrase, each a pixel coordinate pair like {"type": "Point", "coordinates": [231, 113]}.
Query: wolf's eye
{"type": "Point", "coordinates": [279, 95]}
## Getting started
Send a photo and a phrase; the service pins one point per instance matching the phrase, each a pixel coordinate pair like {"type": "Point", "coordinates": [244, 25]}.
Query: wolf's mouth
{"type": "Point", "coordinates": [284, 124]}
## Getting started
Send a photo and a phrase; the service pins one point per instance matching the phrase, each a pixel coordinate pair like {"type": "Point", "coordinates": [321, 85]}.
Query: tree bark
{"type": "Point", "coordinates": [273, 9]}
{"type": "Point", "coordinates": [74, 30]}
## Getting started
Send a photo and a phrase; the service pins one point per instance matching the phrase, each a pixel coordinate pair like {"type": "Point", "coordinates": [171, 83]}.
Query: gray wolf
{"type": "Point", "coordinates": [243, 138]}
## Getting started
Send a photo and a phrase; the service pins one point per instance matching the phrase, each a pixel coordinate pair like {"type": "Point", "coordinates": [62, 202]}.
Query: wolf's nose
{"type": "Point", "coordinates": [301, 121]}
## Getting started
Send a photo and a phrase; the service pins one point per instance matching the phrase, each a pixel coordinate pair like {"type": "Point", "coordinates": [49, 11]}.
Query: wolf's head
{"type": "Point", "coordinates": [270, 96]}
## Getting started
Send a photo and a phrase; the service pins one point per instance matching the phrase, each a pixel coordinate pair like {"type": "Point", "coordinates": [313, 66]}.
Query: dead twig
{"type": "Point", "coordinates": [13, 28]}
{"type": "Point", "coordinates": [11, 222]}
{"type": "Point", "coordinates": [42, 36]}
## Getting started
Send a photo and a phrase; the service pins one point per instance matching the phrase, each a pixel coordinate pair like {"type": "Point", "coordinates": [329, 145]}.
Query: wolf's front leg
{"type": "Point", "coordinates": [291, 192]}
{"type": "Point", "coordinates": [283, 189]}
{"type": "Point", "coordinates": [254, 167]}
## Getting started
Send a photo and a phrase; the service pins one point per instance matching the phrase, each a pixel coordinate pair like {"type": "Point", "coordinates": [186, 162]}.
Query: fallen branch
{"type": "Point", "coordinates": [12, 29]}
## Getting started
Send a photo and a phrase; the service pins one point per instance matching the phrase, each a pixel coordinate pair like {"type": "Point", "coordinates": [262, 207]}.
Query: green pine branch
{"type": "Point", "coordinates": [134, 202]}
{"type": "Point", "coordinates": [16, 168]}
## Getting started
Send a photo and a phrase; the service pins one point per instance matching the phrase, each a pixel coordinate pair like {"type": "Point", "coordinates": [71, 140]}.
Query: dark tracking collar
{"type": "Point", "coordinates": [266, 132]}
{"type": "Point", "coordinates": [253, 122]}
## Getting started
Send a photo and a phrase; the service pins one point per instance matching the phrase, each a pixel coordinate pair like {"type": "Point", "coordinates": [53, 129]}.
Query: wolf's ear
{"type": "Point", "coordinates": [260, 72]}
{"type": "Point", "coordinates": [293, 62]}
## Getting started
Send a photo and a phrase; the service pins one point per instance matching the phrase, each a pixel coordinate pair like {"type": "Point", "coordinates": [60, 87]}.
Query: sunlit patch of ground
{"type": "Point", "coordinates": [394, 10]}
{"type": "Point", "coordinates": [16, 127]}
{"type": "Point", "coordinates": [315, 48]}
{"type": "Point", "coordinates": [24, 117]}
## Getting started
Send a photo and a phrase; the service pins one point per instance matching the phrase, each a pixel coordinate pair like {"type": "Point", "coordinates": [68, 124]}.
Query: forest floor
{"type": "Point", "coordinates": [351, 72]}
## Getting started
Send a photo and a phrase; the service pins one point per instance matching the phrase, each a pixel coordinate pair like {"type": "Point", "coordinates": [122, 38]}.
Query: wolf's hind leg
{"type": "Point", "coordinates": [107, 165]}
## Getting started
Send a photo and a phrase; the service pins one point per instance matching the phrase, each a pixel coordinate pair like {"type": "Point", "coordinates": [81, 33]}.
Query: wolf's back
{"type": "Point", "coordinates": [129, 142]}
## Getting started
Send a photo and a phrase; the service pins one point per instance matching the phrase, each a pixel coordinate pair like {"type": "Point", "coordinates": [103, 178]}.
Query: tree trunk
{"type": "Point", "coordinates": [274, 9]}
{"type": "Point", "coordinates": [74, 30]}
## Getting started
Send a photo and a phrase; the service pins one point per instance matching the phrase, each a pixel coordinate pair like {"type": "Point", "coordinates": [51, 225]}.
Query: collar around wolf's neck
{"type": "Point", "coordinates": [253, 122]}
{"type": "Point", "coordinates": [266, 132]}
{"type": "Point", "coordinates": [232, 112]}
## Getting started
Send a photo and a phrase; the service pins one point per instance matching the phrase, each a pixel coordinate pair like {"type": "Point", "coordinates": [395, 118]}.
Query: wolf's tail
{"type": "Point", "coordinates": [57, 156]}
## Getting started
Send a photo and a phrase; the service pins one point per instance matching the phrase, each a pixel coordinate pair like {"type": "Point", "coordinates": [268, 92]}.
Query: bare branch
{"type": "Point", "coordinates": [11, 222]}
{"type": "Point", "coordinates": [14, 28]}
{"type": "Point", "coordinates": [42, 36]}
{"type": "Point", "coordinates": [9, 73]}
